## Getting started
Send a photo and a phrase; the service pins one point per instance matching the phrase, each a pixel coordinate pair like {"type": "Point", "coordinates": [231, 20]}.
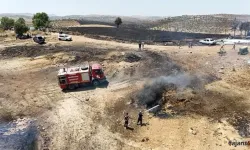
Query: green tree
{"type": "Point", "coordinates": [246, 27]}
{"type": "Point", "coordinates": [20, 26]}
{"type": "Point", "coordinates": [40, 20]}
{"type": "Point", "coordinates": [21, 20]}
{"type": "Point", "coordinates": [241, 27]}
{"type": "Point", "coordinates": [118, 21]}
{"type": "Point", "coordinates": [235, 25]}
{"type": "Point", "coordinates": [7, 23]}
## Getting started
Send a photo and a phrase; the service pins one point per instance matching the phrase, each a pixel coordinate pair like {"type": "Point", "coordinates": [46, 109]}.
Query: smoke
{"type": "Point", "coordinates": [152, 92]}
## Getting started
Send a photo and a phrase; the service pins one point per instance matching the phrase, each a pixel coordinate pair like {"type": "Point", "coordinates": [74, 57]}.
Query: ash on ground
{"type": "Point", "coordinates": [132, 57]}
{"type": "Point", "coordinates": [21, 134]}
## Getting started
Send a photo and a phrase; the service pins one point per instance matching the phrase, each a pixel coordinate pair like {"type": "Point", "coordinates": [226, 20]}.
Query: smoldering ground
{"type": "Point", "coordinates": [151, 93]}
{"type": "Point", "coordinates": [201, 101]}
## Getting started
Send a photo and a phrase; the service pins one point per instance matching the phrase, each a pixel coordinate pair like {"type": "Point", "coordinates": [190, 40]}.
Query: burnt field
{"type": "Point", "coordinates": [136, 34]}
{"type": "Point", "coordinates": [201, 96]}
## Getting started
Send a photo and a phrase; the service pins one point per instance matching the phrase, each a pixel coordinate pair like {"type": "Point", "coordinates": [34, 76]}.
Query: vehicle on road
{"type": "Point", "coordinates": [208, 41]}
{"type": "Point", "coordinates": [39, 39]}
{"type": "Point", "coordinates": [73, 77]}
{"type": "Point", "coordinates": [64, 37]}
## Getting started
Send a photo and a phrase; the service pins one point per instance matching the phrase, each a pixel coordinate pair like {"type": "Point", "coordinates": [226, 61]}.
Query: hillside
{"type": "Point", "coordinates": [212, 24]}
{"type": "Point", "coordinates": [219, 23]}
{"type": "Point", "coordinates": [233, 16]}
{"type": "Point", "coordinates": [101, 18]}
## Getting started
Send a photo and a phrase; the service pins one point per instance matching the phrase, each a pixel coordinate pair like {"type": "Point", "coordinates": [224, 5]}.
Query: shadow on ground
{"type": "Point", "coordinates": [88, 87]}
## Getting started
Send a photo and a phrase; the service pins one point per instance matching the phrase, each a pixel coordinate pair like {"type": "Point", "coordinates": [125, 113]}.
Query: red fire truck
{"type": "Point", "coordinates": [72, 78]}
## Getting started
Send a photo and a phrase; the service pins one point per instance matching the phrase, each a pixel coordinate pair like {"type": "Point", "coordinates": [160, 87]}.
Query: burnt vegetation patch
{"type": "Point", "coordinates": [132, 57]}
{"type": "Point", "coordinates": [157, 64]}
{"type": "Point", "coordinates": [34, 51]}
{"type": "Point", "coordinates": [185, 94]}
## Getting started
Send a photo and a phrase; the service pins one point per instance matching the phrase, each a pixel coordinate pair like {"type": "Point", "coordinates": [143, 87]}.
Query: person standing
{"type": "Point", "coordinates": [126, 120]}
{"type": "Point", "coordinates": [234, 46]}
{"type": "Point", "coordinates": [139, 121]}
{"type": "Point", "coordinates": [222, 49]}
{"type": "Point", "coordinates": [140, 45]}
{"type": "Point", "coordinates": [179, 44]}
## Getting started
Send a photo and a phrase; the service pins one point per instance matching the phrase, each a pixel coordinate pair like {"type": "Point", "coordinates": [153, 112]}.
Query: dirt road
{"type": "Point", "coordinates": [92, 118]}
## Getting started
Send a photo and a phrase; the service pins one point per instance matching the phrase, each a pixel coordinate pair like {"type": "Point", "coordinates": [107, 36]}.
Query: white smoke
{"type": "Point", "coordinates": [152, 92]}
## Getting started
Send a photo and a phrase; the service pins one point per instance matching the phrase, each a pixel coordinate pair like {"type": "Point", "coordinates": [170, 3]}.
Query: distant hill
{"type": "Point", "coordinates": [215, 23]}
{"type": "Point", "coordinates": [16, 14]}
{"type": "Point", "coordinates": [142, 21]}
{"type": "Point", "coordinates": [218, 23]}
{"type": "Point", "coordinates": [233, 16]}
{"type": "Point", "coordinates": [102, 18]}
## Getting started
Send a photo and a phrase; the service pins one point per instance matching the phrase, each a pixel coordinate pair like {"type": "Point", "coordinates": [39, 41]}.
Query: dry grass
{"type": "Point", "coordinates": [50, 57]}
{"type": "Point", "coordinates": [4, 35]}
{"type": "Point", "coordinates": [37, 92]}
{"type": "Point", "coordinates": [196, 24]}
{"type": "Point", "coordinates": [6, 115]}
{"type": "Point", "coordinates": [37, 32]}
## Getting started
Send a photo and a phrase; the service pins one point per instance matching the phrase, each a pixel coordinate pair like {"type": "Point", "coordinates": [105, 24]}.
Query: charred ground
{"type": "Point", "coordinates": [93, 118]}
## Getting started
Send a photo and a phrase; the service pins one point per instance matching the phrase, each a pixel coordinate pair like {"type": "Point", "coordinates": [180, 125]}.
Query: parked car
{"type": "Point", "coordinates": [243, 50]}
{"type": "Point", "coordinates": [64, 37]}
{"type": "Point", "coordinates": [23, 36]}
{"type": "Point", "coordinates": [248, 37]}
{"type": "Point", "coordinates": [208, 41]}
{"type": "Point", "coordinates": [39, 39]}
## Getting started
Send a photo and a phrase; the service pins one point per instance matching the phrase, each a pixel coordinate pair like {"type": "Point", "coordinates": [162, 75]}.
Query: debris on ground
{"type": "Point", "coordinates": [234, 69]}
{"type": "Point", "coordinates": [221, 71]}
{"type": "Point", "coordinates": [145, 139]}
{"type": "Point", "coordinates": [132, 57]}
{"type": "Point", "coordinates": [242, 123]}
{"type": "Point", "coordinates": [243, 50]}
{"type": "Point", "coordinates": [192, 131]}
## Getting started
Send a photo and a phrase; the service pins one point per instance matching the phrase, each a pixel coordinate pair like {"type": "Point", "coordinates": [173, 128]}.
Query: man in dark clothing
{"type": "Point", "coordinates": [140, 115]}
{"type": "Point", "coordinates": [126, 119]}
{"type": "Point", "coordinates": [234, 46]}
{"type": "Point", "coordinates": [140, 45]}
{"type": "Point", "coordinates": [179, 44]}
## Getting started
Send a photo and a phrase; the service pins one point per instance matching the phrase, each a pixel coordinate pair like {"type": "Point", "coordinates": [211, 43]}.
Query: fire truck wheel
{"type": "Point", "coordinates": [71, 86]}
{"type": "Point", "coordinates": [95, 83]}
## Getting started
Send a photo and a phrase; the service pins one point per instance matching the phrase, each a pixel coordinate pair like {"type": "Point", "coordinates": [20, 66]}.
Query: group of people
{"type": "Point", "coordinates": [222, 47]}
{"type": "Point", "coordinates": [127, 117]}
{"type": "Point", "coordinates": [190, 44]}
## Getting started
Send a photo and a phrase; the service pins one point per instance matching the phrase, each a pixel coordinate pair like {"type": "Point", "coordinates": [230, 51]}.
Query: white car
{"type": "Point", "coordinates": [208, 41]}
{"type": "Point", "coordinates": [64, 37]}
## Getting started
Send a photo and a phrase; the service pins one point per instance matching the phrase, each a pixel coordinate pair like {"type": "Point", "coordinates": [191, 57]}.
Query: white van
{"type": "Point", "coordinates": [208, 41]}
{"type": "Point", "coordinates": [64, 37]}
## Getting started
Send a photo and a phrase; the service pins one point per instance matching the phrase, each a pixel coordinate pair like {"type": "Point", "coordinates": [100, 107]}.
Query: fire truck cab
{"type": "Point", "coordinates": [73, 77]}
